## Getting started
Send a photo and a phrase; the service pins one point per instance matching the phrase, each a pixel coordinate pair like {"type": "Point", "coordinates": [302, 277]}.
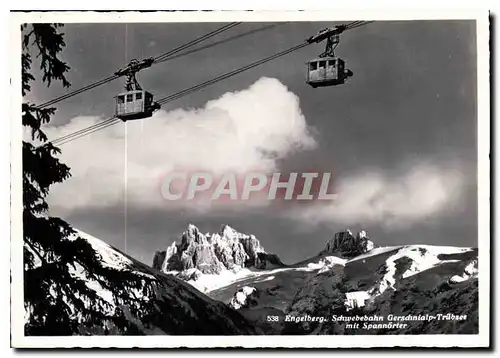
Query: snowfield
{"type": "Point", "coordinates": [423, 257]}
{"type": "Point", "coordinates": [211, 282]}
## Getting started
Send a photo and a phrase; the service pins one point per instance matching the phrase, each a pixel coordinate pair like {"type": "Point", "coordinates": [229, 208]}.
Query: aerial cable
{"type": "Point", "coordinates": [112, 121]}
{"type": "Point", "coordinates": [109, 123]}
{"type": "Point", "coordinates": [165, 56]}
{"type": "Point", "coordinates": [170, 55]}
{"type": "Point", "coordinates": [161, 58]}
{"type": "Point", "coordinates": [352, 24]}
{"type": "Point", "coordinates": [96, 125]}
{"type": "Point", "coordinates": [228, 74]}
{"type": "Point", "coordinates": [87, 129]}
{"type": "Point", "coordinates": [78, 91]}
{"type": "Point", "coordinates": [228, 39]}
{"type": "Point", "coordinates": [90, 132]}
{"type": "Point", "coordinates": [362, 23]}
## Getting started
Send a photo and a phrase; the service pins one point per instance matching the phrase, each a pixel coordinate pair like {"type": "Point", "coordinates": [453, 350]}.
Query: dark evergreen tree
{"type": "Point", "coordinates": [58, 301]}
{"type": "Point", "coordinates": [62, 269]}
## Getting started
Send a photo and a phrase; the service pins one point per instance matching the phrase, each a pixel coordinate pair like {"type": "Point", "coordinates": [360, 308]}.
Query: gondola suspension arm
{"type": "Point", "coordinates": [129, 72]}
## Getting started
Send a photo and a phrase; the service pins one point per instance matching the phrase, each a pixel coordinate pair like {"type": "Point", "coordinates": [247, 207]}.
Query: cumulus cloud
{"type": "Point", "coordinates": [248, 130]}
{"type": "Point", "coordinates": [394, 201]}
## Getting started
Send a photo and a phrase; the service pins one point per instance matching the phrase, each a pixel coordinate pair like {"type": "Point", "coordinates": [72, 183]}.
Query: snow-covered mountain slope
{"type": "Point", "coordinates": [279, 287]}
{"type": "Point", "coordinates": [166, 304]}
{"type": "Point", "coordinates": [404, 280]}
{"type": "Point", "coordinates": [208, 261]}
{"type": "Point", "coordinates": [350, 275]}
{"type": "Point", "coordinates": [276, 287]}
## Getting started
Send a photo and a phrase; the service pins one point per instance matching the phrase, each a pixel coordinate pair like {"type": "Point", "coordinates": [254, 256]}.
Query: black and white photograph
{"type": "Point", "coordinates": [250, 179]}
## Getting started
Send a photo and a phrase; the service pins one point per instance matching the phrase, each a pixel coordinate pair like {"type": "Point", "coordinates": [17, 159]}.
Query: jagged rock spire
{"type": "Point", "coordinates": [212, 253]}
{"type": "Point", "coordinates": [348, 245]}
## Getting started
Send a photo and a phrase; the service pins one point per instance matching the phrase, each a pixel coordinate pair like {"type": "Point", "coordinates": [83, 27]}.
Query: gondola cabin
{"type": "Point", "coordinates": [326, 71]}
{"type": "Point", "coordinates": [135, 105]}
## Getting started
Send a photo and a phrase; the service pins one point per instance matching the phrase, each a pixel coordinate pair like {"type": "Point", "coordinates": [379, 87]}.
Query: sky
{"type": "Point", "coordinates": [399, 137]}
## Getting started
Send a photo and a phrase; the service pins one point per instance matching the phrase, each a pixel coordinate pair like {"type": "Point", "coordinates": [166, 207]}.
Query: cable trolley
{"type": "Point", "coordinates": [327, 69]}
{"type": "Point", "coordinates": [135, 103]}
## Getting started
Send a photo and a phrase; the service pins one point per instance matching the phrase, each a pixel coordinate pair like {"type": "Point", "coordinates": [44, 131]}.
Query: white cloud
{"type": "Point", "coordinates": [416, 193]}
{"type": "Point", "coordinates": [240, 132]}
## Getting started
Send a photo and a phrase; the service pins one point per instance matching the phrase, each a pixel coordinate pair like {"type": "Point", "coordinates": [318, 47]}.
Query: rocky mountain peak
{"type": "Point", "coordinates": [192, 234]}
{"type": "Point", "coordinates": [228, 232]}
{"type": "Point", "coordinates": [362, 234]}
{"type": "Point", "coordinates": [344, 243]}
{"type": "Point", "coordinates": [213, 253]}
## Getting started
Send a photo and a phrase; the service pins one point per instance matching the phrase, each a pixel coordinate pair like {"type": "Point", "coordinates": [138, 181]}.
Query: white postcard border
{"type": "Point", "coordinates": [18, 339]}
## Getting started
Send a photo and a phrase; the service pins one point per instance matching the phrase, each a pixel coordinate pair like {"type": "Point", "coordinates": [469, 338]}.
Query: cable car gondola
{"type": "Point", "coordinates": [327, 69]}
{"type": "Point", "coordinates": [135, 103]}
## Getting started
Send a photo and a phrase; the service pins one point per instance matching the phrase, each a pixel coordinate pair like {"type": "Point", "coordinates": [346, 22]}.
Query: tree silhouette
{"type": "Point", "coordinates": [58, 264]}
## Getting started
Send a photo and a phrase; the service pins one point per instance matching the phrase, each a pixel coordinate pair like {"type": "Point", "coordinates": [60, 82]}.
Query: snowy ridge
{"type": "Point", "coordinates": [194, 314]}
{"type": "Point", "coordinates": [110, 257]}
{"type": "Point", "coordinates": [326, 263]}
{"type": "Point", "coordinates": [374, 252]}
{"type": "Point", "coordinates": [207, 283]}
{"type": "Point", "coordinates": [429, 259]}
{"type": "Point", "coordinates": [422, 257]}
{"type": "Point", "coordinates": [410, 278]}
{"type": "Point", "coordinates": [211, 282]}
{"type": "Point", "coordinates": [213, 261]}
{"type": "Point", "coordinates": [402, 280]}
{"type": "Point", "coordinates": [349, 274]}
